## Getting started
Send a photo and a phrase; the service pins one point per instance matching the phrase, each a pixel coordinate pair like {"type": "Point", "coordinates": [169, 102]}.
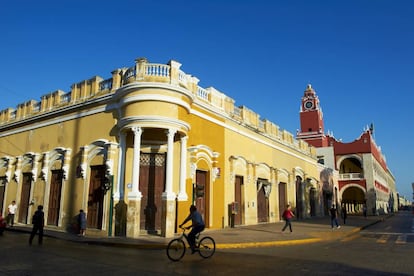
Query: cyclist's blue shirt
{"type": "Point", "coordinates": [196, 218]}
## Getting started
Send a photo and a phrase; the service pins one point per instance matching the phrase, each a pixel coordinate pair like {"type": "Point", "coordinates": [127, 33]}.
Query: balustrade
{"type": "Point", "coordinates": [202, 93]}
{"type": "Point", "coordinates": [261, 124]}
{"type": "Point", "coordinates": [237, 111]}
{"type": "Point", "coordinates": [349, 176]}
{"type": "Point", "coordinates": [36, 107]}
{"type": "Point", "coordinates": [157, 70]}
{"type": "Point", "coordinates": [106, 84]}
{"type": "Point", "coordinates": [130, 73]}
{"type": "Point", "coordinates": [65, 98]}
{"type": "Point", "coordinates": [169, 73]}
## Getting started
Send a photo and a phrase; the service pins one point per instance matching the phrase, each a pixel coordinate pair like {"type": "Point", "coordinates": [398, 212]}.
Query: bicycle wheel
{"type": "Point", "coordinates": [206, 247]}
{"type": "Point", "coordinates": [175, 249]}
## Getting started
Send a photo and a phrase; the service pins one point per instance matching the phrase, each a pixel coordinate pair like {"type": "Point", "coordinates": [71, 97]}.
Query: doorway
{"type": "Point", "coordinates": [3, 181]}
{"type": "Point", "coordinates": [54, 197]}
{"type": "Point", "coordinates": [96, 197]}
{"type": "Point", "coordinates": [238, 198]}
{"type": "Point", "coordinates": [25, 198]}
{"type": "Point", "coordinates": [152, 185]}
{"type": "Point", "coordinates": [282, 199]}
{"type": "Point", "coordinates": [200, 194]}
{"type": "Point", "coordinates": [262, 204]}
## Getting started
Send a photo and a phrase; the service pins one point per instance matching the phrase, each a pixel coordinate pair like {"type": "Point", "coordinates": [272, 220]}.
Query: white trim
{"type": "Point", "coordinates": [141, 85]}
{"type": "Point", "coordinates": [154, 97]}
{"type": "Point", "coordinates": [153, 121]}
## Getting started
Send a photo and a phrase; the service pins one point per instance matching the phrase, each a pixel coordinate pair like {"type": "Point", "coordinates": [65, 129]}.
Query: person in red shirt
{"type": "Point", "coordinates": [287, 216]}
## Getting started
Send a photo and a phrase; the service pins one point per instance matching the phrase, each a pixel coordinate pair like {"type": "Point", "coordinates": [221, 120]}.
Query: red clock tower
{"type": "Point", "coordinates": [311, 120]}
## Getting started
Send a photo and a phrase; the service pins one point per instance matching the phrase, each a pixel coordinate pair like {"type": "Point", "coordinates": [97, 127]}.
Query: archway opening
{"type": "Point", "coordinates": [353, 199]}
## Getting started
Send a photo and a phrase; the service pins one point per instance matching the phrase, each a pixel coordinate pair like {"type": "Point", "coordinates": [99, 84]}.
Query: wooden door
{"type": "Point", "coordinates": [262, 205]}
{"type": "Point", "coordinates": [96, 197]}
{"type": "Point", "coordinates": [238, 196]}
{"type": "Point", "coordinates": [282, 199]}
{"type": "Point", "coordinates": [25, 197]}
{"type": "Point", "coordinates": [200, 194]}
{"type": "Point", "coordinates": [2, 191]}
{"type": "Point", "coordinates": [54, 197]}
{"type": "Point", "coordinates": [312, 197]}
{"type": "Point", "coordinates": [299, 198]}
{"type": "Point", "coordinates": [151, 185]}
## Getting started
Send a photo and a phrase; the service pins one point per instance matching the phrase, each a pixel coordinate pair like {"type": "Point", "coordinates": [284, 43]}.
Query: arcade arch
{"type": "Point", "coordinates": [353, 198]}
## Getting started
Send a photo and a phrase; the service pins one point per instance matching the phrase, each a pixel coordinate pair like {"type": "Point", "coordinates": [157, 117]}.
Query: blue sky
{"type": "Point", "coordinates": [357, 54]}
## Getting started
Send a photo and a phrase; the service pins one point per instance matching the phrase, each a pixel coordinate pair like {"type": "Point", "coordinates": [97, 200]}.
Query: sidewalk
{"type": "Point", "coordinates": [267, 234]}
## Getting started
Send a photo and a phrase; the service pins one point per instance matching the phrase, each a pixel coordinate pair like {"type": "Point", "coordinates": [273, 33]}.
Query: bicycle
{"type": "Point", "coordinates": [176, 247]}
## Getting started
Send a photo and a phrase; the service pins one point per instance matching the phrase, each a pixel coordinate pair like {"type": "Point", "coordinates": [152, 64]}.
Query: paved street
{"type": "Point", "coordinates": [267, 234]}
{"type": "Point", "coordinates": [345, 251]}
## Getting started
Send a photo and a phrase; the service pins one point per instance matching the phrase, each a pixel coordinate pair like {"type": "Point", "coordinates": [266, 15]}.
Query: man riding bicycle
{"type": "Point", "coordinates": [197, 226]}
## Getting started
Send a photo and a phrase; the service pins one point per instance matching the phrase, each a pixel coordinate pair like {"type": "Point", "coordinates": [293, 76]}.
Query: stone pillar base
{"type": "Point", "coordinates": [133, 218]}
{"type": "Point", "coordinates": [168, 221]}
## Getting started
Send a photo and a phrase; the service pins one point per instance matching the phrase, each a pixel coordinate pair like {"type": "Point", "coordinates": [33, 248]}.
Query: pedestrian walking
{"type": "Point", "coordinates": [334, 217]}
{"type": "Point", "coordinates": [287, 216]}
{"type": "Point", "coordinates": [82, 223]}
{"type": "Point", "coordinates": [38, 222]}
{"type": "Point", "coordinates": [364, 210]}
{"type": "Point", "coordinates": [344, 213]}
{"type": "Point", "coordinates": [11, 212]}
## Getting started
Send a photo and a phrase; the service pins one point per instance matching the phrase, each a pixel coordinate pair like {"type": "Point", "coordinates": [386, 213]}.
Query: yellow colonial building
{"type": "Point", "coordinates": [137, 149]}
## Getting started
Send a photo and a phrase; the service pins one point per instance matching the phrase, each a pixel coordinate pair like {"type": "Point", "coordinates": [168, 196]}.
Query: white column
{"type": "Point", "coordinates": [168, 193]}
{"type": "Point", "coordinates": [119, 190]}
{"type": "Point", "coordinates": [182, 195]}
{"type": "Point", "coordinates": [135, 193]}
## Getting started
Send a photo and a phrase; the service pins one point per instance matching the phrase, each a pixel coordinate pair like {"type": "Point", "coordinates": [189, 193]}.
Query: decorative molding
{"type": "Point", "coordinates": [17, 170]}
{"type": "Point", "coordinates": [109, 166]}
{"type": "Point", "coordinates": [45, 167]}
{"type": "Point", "coordinates": [35, 164]}
{"type": "Point", "coordinates": [216, 173]}
{"type": "Point", "coordinates": [66, 165]}
{"type": "Point", "coordinates": [193, 169]}
{"type": "Point", "coordinates": [84, 160]}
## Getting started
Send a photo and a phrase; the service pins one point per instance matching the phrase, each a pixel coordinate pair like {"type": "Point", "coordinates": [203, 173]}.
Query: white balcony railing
{"type": "Point", "coordinates": [350, 176]}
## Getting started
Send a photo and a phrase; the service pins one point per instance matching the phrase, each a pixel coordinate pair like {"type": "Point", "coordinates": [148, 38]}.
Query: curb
{"type": "Point", "coordinates": [161, 245]}
{"type": "Point", "coordinates": [266, 244]}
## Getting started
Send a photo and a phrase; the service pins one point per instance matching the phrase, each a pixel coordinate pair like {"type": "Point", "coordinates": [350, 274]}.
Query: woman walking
{"type": "Point", "coordinates": [287, 216]}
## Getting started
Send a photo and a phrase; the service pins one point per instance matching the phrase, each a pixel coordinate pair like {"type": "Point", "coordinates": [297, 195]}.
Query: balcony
{"type": "Point", "coordinates": [351, 176]}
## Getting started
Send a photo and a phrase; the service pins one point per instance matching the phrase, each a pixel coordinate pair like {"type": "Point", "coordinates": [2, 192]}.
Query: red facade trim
{"type": "Point", "coordinates": [343, 183]}
{"type": "Point", "coordinates": [381, 187]}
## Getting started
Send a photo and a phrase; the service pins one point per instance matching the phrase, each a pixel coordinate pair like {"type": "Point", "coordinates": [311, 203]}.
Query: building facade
{"type": "Point", "coordinates": [137, 149]}
{"type": "Point", "coordinates": [364, 179]}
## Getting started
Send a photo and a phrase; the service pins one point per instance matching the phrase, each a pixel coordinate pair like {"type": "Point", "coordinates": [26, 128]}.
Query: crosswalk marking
{"type": "Point", "coordinates": [383, 239]}
{"type": "Point", "coordinates": [387, 233]}
{"type": "Point", "coordinates": [401, 239]}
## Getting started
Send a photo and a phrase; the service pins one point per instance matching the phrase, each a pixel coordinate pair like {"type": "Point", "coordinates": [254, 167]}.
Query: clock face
{"type": "Point", "coordinates": [308, 104]}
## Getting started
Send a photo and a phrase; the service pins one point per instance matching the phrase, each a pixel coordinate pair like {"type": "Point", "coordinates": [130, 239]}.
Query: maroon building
{"type": "Point", "coordinates": [364, 179]}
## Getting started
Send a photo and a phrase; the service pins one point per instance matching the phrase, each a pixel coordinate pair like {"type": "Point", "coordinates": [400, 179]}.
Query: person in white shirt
{"type": "Point", "coordinates": [12, 211]}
